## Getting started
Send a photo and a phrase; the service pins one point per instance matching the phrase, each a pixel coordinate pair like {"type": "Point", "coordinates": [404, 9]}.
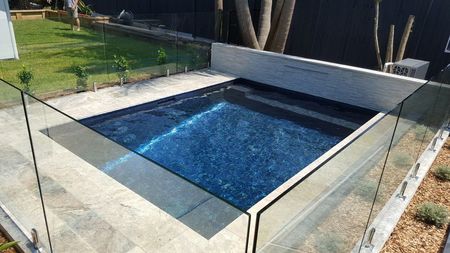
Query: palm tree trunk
{"type": "Point", "coordinates": [405, 38]}
{"type": "Point", "coordinates": [390, 48]}
{"type": "Point", "coordinates": [218, 19]}
{"type": "Point", "coordinates": [264, 22]}
{"type": "Point", "coordinates": [280, 36]}
{"type": "Point", "coordinates": [375, 34]}
{"type": "Point", "coordinates": [274, 23]}
{"type": "Point", "coordinates": [246, 24]}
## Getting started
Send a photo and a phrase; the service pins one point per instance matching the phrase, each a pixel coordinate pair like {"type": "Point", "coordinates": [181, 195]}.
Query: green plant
{"type": "Point", "coordinates": [432, 213]}
{"type": "Point", "coordinates": [402, 160]}
{"type": "Point", "coordinates": [443, 172]}
{"type": "Point", "coordinates": [81, 72]}
{"type": "Point", "coordinates": [82, 76]}
{"type": "Point", "coordinates": [5, 246]}
{"type": "Point", "coordinates": [161, 57]}
{"type": "Point", "coordinates": [196, 61]}
{"type": "Point", "coordinates": [84, 8]}
{"type": "Point", "coordinates": [122, 67]}
{"type": "Point", "coordinates": [330, 243]}
{"type": "Point", "coordinates": [419, 131]}
{"type": "Point", "coordinates": [366, 189]}
{"type": "Point", "coordinates": [25, 76]}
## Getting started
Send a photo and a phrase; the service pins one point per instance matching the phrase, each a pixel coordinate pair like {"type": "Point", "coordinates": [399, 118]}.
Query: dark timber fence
{"type": "Point", "coordinates": [333, 30]}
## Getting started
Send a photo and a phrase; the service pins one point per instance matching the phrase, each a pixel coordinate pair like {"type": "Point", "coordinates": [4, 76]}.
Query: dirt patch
{"type": "Point", "coordinates": [411, 235]}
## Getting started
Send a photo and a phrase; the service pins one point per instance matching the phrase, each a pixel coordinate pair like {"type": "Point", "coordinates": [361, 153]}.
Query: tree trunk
{"type": "Point", "coordinates": [274, 23]}
{"type": "Point", "coordinates": [218, 20]}
{"type": "Point", "coordinates": [390, 48]}
{"type": "Point", "coordinates": [264, 22]}
{"type": "Point", "coordinates": [280, 36]}
{"type": "Point", "coordinates": [405, 37]}
{"type": "Point", "coordinates": [375, 34]}
{"type": "Point", "coordinates": [246, 24]}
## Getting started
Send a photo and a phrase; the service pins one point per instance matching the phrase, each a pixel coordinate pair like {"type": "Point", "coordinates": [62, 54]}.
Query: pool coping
{"type": "Point", "coordinates": [253, 211]}
{"type": "Point", "coordinates": [291, 182]}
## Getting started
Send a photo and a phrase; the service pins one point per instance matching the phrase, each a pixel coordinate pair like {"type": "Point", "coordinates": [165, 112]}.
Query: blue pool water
{"type": "Point", "coordinates": [219, 141]}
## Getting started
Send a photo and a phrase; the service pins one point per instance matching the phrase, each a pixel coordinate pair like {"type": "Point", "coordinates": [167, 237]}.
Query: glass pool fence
{"type": "Point", "coordinates": [106, 51]}
{"type": "Point", "coordinates": [66, 196]}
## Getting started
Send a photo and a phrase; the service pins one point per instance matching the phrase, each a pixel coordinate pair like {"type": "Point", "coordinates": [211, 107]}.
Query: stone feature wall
{"type": "Point", "coordinates": [356, 86]}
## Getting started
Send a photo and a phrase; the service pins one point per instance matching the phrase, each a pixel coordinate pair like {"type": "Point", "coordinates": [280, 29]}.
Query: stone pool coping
{"type": "Point", "coordinates": [89, 104]}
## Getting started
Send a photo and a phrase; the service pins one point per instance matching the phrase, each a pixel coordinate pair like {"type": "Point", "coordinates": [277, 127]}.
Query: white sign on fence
{"type": "Point", "coordinates": [8, 48]}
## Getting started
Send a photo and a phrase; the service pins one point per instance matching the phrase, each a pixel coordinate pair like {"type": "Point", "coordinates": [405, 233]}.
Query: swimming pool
{"type": "Point", "coordinates": [238, 140]}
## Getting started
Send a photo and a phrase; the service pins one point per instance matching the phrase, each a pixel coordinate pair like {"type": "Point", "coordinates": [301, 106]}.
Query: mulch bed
{"type": "Point", "coordinates": [411, 235]}
{"type": "Point", "coordinates": [3, 240]}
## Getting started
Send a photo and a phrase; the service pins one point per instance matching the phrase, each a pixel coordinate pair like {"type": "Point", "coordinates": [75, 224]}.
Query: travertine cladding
{"type": "Point", "coordinates": [356, 86]}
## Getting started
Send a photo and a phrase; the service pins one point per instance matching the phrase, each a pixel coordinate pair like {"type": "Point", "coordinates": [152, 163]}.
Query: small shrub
{"type": "Point", "coordinates": [366, 190]}
{"type": "Point", "coordinates": [25, 76]}
{"type": "Point", "coordinates": [420, 131]}
{"type": "Point", "coordinates": [330, 243]}
{"type": "Point", "coordinates": [82, 76]}
{"type": "Point", "coordinates": [402, 160]}
{"type": "Point", "coordinates": [122, 67]}
{"type": "Point", "coordinates": [80, 72]}
{"type": "Point", "coordinates": [8, 245]}
{"type": "Point", "coordinates": [443, 173]}
{"type": "Point", "coordinates": [84, 8]}
{"type": "Point", "coordinates": [432, 213]}
{"type": "Point", "coordinates": [161, 57]}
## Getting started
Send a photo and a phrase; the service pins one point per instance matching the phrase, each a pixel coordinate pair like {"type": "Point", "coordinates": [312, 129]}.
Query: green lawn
{"type": "Point", "coordinates": [50, 49]}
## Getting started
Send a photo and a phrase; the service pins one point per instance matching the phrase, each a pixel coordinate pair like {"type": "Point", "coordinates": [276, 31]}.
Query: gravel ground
{"type": "Point", "coordinates": [411, 235]}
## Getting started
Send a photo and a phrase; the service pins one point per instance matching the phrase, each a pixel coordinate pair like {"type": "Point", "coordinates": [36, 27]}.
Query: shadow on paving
{"type": "Point", "coordinates": [197, 209]}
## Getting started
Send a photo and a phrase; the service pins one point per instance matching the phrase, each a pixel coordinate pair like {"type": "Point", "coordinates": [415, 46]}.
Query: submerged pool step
{"type": "Point", "coordinates": [296, 109]}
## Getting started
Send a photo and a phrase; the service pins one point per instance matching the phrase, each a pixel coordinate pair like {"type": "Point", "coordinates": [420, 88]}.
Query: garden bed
{"type": "Point", "coordinates": [3, 239]}
{"type": "Point", "coordinates": [411, 235]}
{"type": "Point", "coordinates": [47, 13]}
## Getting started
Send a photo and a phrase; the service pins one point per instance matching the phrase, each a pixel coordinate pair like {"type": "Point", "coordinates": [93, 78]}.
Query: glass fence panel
{"type": "Point", "coordinates": [440, 113]}
{"type": "Point", "coordinates": [105, 51]}
{"type": "Point", "coordinates": [146, 47]}
{"type": "Point", "coordinates": [412, 135]}
{"type": "Point", "coordinates": [86, 62]}
{"type": "Point", "coordinates": [194, 49]}
{"type": "Point", "coordinates": [427, 126]}
{"type": "Point", "coordinates": [52, 51]}
{"type": "Point", "coordinates": [102, 197]}
{"type": "Point", "coordinates": [328, 211]}
{"type": "Point", "coordinates": [19, 191]}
